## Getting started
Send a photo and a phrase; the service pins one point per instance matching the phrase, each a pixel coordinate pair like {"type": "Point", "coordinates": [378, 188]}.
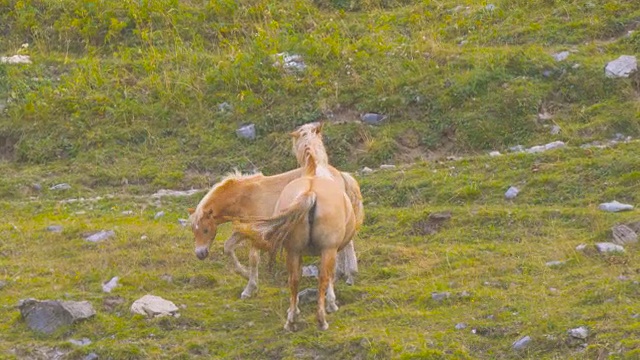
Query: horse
{"type": "Point", "coordinates": [313, 216]}
{"type": "Point", "coordinates": [256, 195]}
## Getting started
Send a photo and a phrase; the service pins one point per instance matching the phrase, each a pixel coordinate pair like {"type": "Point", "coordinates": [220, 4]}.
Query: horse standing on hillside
{"type": "Point", "coordinates": [256, 195]}
{"type": "Point", "coordinates": [313, 216]}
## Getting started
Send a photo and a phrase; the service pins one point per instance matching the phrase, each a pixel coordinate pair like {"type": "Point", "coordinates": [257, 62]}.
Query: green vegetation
{"type": "Point", "coordinates": [123, 98]}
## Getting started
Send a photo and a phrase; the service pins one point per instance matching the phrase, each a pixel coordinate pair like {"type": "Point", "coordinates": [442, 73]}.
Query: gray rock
{"type": "Point", "coordinates": [127, 212]}
{"type": "Point", "coordinates": [490, 7]}
{"type": "Point", "coordinates": [554, 263]}
{"type": "Point", "coordinates": [247, 132]}
{"type": "Point", "coordinates": [460, 326]}
{"type": "Point", "coordinates": [517, 148]}
{"type": "Point", "coordinates": [561, 56]}
{"type": "Point", "coordinates": [154, 306]}
{"type": "Point", "coordinates": [54, 228]}
{"type": "Point", "coordinates": [387, 167]}
{"type": "Point", "coordinates": [555, 130]}
{"type": "Point", "coordinates": [110, 285]}
{"type": "Point", "coordinates": [310, 271]}
{"type": "Point", "coordinates": [2, 284]}
{"type": "Point", "coordinates": [158, 215]}
{"type": "Point", "coordinates": [81, 342]}
{"type": "Point", "coordinates": [581, 333]}
{"type": "Point", "coordinates": [614, 206]}
{"type": "Point", "coordinates": [581, 247]}
{"type": "Point", "coordinates": [175, 193]}
{"type": "Point", "coordinates": [366, 170]}
{"type": "Point", "coordinates": [101, 236]}
{"type": "Point", "coordinates": [307, 296]}
{"type": "Point", "coordinates": [547, 73]}
{"type": "Point", "coordinates": [522, 343]}
{"type": "Point", "coordinates": [494, 153]}
{"type": "Point", "coordinates": [290, 62]}
{"type": "Point", "coordinates": [440, 296]}
{"type": "Point", "coordinates": [183, 222]}
{"type": "Point", "coordinates": [15, 59]}
{"type": "Point", "coordinates": [91, 356]}
{"type": "Point", "coordinates": [512, 192]}
{"type": "Point", "coordinates": [623, 66]}
{"type": "Point", "coordinates": [373, 118]}
{"type": "Point", "coordinates": [623, 235]}
{"type": "Point", "coordinates": [542, 148]}
{"type": "Point", "coordinates": [225, 107]}
{"type": "Point", "coordinates": [608, 247]}
{"type": "Point", "coordinates": [63, 186]}
{"type": "Point", "coordinates": [48, 316]}
{"type": "Point", "coordinates": [36, 187]}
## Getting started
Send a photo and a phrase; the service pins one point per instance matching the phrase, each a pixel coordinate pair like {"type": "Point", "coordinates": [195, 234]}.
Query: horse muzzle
{"type": "Point", "coordinates": [202, 252]}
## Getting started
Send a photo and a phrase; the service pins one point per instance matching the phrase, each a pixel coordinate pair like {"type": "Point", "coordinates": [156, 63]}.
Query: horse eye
{"type": "Point", "coordinates": [206, 231]}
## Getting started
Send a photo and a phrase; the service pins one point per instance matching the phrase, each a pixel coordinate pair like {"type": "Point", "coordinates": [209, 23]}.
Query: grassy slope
{"type": "Point", "coordinates": [122, 99]}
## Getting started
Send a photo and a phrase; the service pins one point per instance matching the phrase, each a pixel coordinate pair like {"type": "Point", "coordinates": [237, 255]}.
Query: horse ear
{"type": "Point", "coordinates": [295, 134]}
{"type": "Point", "coordinates": [191, 210]}
{"type": "Point", "coordinates": [318, 128]}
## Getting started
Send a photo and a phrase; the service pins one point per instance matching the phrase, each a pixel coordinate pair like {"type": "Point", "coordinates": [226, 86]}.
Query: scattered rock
{"type": "Point", "coordinates": [81, 342]}
{"type": "Point", "coordinates": [517, 148]}
{"type": "Point", "coordinates": [622, 235]}
{"type": "Point", "coordinates": [63, 186]}
{"type": "Point", "coordinates": [522, 343]}
{"type": "Point", "coordinates": [373, 118]}
{"type": "Point", "coordinates": [47, 316]}
{"type": "Point", "coordinates": [581, 333]}
{"type": "Point", "coordinates": [36, 187]}
{"type": "Point", "coordinates": [554, 263]}
{"type": "Point", "coordinates": [494, 153]}
{"type": "Point", "coordinates": [127, 212]}
{"type": "Point", "coordinates": [512, 192]}
{"type": "Point", "coordinates": [440, 296]}
{"type": "Point", "coordinates": [247, 132]}
{"type": "Point", "coordinates": [111, 302]}
{"type": "Point", "coordinates": [387, 167]}
{"type": "Point", "coordinates": [608, 247]}
{"type": "Point", "coordinates": [158, 215]}
{"type": "Point", "coordinates": [154, 306]}
{"type": "Point", "coordinates": [183, 222]}
{"type": "Point", "coordinates": [490, 7]}
{"type": "Point", "coordinates": [561, 56]}
{"type": "Point", "coordinates": [144, 237]}
{"type": "Point", "coordinates": [549, 146]}
{"type": "Point", "coordinates": [91, 356]}
{"type": "Point", "coordinates": [464, 295]}
{"type": "Point", "coordinates": [15, 59]}
{"type": "Point", "coordinates": [614, 206]}
{"type": "Point", "coordinates": [461, 326]}
{"type": "Point", "coordinates": [225, 107]}
{"type": "Point", "coordinates": [623, 66]}
{"type": "Point", "coordinates": [101, 236]}
{"type": "Point", "coordinates": [547, 73]}
{"type": "Point", "coordinates": [290, 62]}
{"type": "Point", "coordinates": [308, 296]}
{"type": "Point", "coordinates": [366, 170]}
{"type": "Point", "coordinates": [555, 130]}
{"type": "Point", "coordinates": [54, 228]}
{"type": "Point", "coordinates": [581, 247]}
{"type": "Point", "coordinates": [310, 271]}
{"type": "Point", "coordinates": [110, 285]}
{"type": "Point", "coordinates": [164, 192]}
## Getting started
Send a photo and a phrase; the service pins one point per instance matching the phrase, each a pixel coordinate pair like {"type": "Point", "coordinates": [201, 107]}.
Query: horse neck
{"type": "Point", "coordinates": [230, 200]}
{"type": "Point", "coordinates": [312, 146]}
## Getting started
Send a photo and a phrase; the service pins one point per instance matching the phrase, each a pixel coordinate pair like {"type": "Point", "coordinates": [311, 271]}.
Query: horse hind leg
{"type": "Point", "coordinates": [252, 285]}
{"type": "Point", "coordinates": [294, 267]}
{"type": "Point", "coordinates": [327, 268]}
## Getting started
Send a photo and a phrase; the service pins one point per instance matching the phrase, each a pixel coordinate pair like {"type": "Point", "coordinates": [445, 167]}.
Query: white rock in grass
{"type": "Point", "coordinates": [614, 206]}
{"type": "Point", "coordinates": [512, 192]}
{"type": "Point", "coordinates": [581, 247]}
{"type": "Point", "coordinates": [494, 153]}
{"type": "Point", "coordinates": [158, 215]}
{"type": "Point", "coordinates": [15, 59]}
{"type": "Point", "coordinates": [522, 343]}
{"type": "Point", "coordinates": [310, 271]}
{"type": "Point", "coordinates": [387, 167]}
{"type": "Point", "coordinates": [101, 236]}
{"type": "Point", "coordinates": [561, 56]}
{"type": "Point", "coordinates": [579, 333]}
{"type": "Point", "coordinates": [108, 286]}
{"type": "Point", "coordinates": [154, 306]}
{"type": "Point", "coordinates": [623, 66]}
{"type": "Point", "coordinates": [63, 186]}
{"type": "Point", "coordinates": [608, 247]}
{"type": "Point", "coordinates": [247, 132]}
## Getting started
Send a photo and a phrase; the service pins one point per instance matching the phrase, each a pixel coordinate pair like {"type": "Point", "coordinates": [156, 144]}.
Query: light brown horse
{"type": "Point", "coordinates": [313, 216]}
{"type": "Point", "coordinates": [256, 195]}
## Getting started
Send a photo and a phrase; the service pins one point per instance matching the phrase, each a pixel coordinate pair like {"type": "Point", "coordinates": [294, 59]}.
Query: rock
{"type": "Point", "coordinates": [464, 295]}
{"type": "Point", "coordinates": [310, 271]}
{"type": "Point", "coordinates": [512, 192]}
{"type": "Point", "coordinates": [154, 306]}
{"type": "Point", "coordinates": [460, 326]}
{"type": "Point", "coordinates": [635, 226]}
{"type": "Point", "coordinates": [608, 247]}
{"type": "Point", "coordinates": [307, 296]}
{"type": "Point", "coordinates": [36, 187]}
{"type": "Point", "coordinates": [555, 130]}
{"type": "Point", "coordinates": [547, 73]}
{"type": "Point", "coordinates": [63, 186]}
{"type": "Point", "coordinates": [517, 148]}
{"type": "Point", "coordinates": [440, 296]}
{"type": "Point", "coordinates": [91, 356]}
{"type": "Point", "coordinates": [158, 215]}
{"type": "Point", "coordinates": [101, 236]}
{"type": "Point", "coordinates": [614, 206]}
{"type": "Point", "coordinates": [387, 167]}
{"type": "Point", "coordinates": [522, 343]}
{"type": "Point", "coordinates": [581, 247]}
{"type": "Point", "coordinates": [366, 170]}
{"type": "Point", "coordinates": [554, 263]}
{"type": "Point", "coordinates": [54, 228]}
{"type": "Point", "coordinates": [549, 146]}
{"type": "Point", "coordinates": [561, 56]}
{"type": "Point", "coordinates": [127, 212]}
{"type": "Point", "coordinates": [581, 333]}
{"type": "Point", "coordinates": [576, 66]}
{"type": "Point", "coordinates": [494, 153]}
{"type": "Point", "coordinates": [183, 222]}
{"type": "Point", "coordinates": [622, 235]}
{"type": "Point", "coordinates": [108, 286]}
{"type": "Point", "coordinates": [247, 132]}
{"type": "Point", "coordinates": [164, 192]}
{"type": "Point", "coordinates": [290, 62]}
{"type": "Point", "coordinates": [15, 59]}
{"type": "Point", "coordinates": [225, 107]}
{"type": "Point", "coordinates": [623, 66]}
{"type": "Point", "coordinates": [81, 342]}
{"type": "Point", "coordinates": [373, 118]}
{"type": "Point", "coordinates": [490, 7]}
{"type": "Point", "coordinates": [48, 316]}
{"type": "Point", "coordinates": [144, 237]}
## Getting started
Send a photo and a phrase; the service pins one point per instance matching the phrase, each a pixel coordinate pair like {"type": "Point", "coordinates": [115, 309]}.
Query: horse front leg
{"type": "Point", "coordinates": [230, 246]}
{"type": "Point", "coordinates": [327, 268]}
{"type": "Point", "coordinates": [252, 285]}
{"type": "Point", "coordinates": [294, 267]}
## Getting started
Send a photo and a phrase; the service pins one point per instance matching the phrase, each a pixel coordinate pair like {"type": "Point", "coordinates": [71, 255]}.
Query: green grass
{"type": "Point", "coordinates": [123, 98]}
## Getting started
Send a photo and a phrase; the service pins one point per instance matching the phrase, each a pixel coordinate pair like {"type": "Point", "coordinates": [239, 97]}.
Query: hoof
{"type": "Point", "coordinates": [289, 326]}
{"type": "Point", "coordinates": [331, 308]}
{"type": "Point", "coordinates": [323, 326]}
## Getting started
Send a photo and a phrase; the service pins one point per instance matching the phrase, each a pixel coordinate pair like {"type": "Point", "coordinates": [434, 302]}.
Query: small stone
{"type": "Point", "coordinates": [54, 228]}
{"type": "Point", "coordinates": [623, 66]}
{"type": "Point", "coordinates": [608, 247]}
{"type": "Point", "coordinates": [549, 146]}
{"type": "Point", "coordinates": [225, 107]}
{"type": "Point", "coordinates": [144, 237]}
{"type": "Point", "coordinates": [512, 192]}
{"type": "Point", "coordinates": [614, 206]}
{"type": "Point", "coordinates": [522, 343]}
{"type": "Point", "coordinates": [110, 285]}
{"type": "Point", "coordinates": [366, 170]}
{"type": "Point", "coordinates": [581, 247]}
{"type": "Point", "coordinates": [576, 66]}
{"type": "Point", "coordinates": [465, 294]}
{"type": "Point", "coordinates": [307, 296]}
{"type": "Point", "coordinates": [554, 263]}
{"type": "Point", "coordinates": [635, 316]}
{"type": "Point", "coordinates": [158, 215]}
{"type": "Point", "coordinates": [581, 333]}
{"type": "Point", "coordinates": [387, 167]}
{"type": "Point", "coordinates": [460, 326]}
{"type": "Point", "coordinates": [623, 235]}
{"type": "Point", "coordinates": [490, 7]}
{"type": "Point", "coordinates": [183, 222]}
{"type": "Point", "coordinates": [553, 290]}
{"type": "Point", "coordinates": [247, 132]}
{"type": "Point", "coordinates": [561, 56]}
{"type": "Point", "coordinates": [555, 130]}
{"type": "Point", "coordinates": [174, 193]}
{"type": "Point", "coordinates": [91, 356]}
{"type": "Point", "coordinates": [63, 186]}
{"type": "Point", "coordinates": [154, 306]}
{"type": "Point", "coordinates": [440, 296]}
{"type": "Point", "coordinates": [127, 212]}
{"type": "Point", "coordinates": [101, 236]}
{"type": "Point", "coordinates": [495, 153]}
{"type": "Point", "coordinates": [547, 73]}
{"type": "Point", "coordinates": [373, 118]}
{"type": "Point", "coordinates": [36, 187]}
{"type": "Point", "coordinates": [517, 148]}
{"type": "Point", "coordinates": [81, 342]}
{"type": "Point", "coordinates": [310, 271]}
{"type": "Point", "coordinates": [15, 59]}
{"type": "Point", "coordinates": [290, 62]}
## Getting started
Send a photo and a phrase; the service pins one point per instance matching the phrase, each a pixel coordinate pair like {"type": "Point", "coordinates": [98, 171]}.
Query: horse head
{"type": "Point", "coordinates": [204, 227]}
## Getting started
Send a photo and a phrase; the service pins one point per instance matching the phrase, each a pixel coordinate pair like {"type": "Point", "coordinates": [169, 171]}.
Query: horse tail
{"type": "Point", "coordinates": [269, 234]}
{"type": "Point", "coordinates": [352, 189]}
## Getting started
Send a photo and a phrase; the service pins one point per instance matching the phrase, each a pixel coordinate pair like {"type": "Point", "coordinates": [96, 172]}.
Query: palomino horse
{"type": "Point", "coordinates": [313, 216]}
{"type": "Point", "coordinates": [252, 196]}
